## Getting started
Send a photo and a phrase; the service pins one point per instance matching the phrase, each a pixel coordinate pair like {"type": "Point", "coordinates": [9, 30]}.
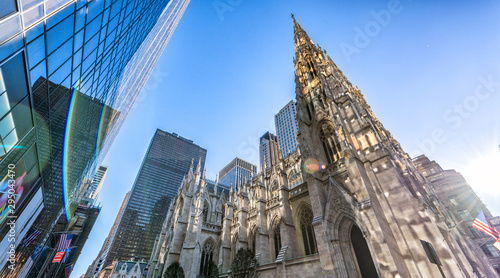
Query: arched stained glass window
{"type": "Point", "coordinates": [294, 179]}
{"type": "Point", "coordinates": [274, 189]}
{"type": "Point", "coordinates": [207, 255]}
{"type": "Point", "coordinates": [306, 227]}
{"type": "Point", "coordinates": [330, 145]}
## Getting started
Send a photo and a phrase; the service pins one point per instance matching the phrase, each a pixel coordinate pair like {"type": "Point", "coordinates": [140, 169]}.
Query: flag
{"type": "Point", "coordinates": [58, 257]}
{"type": "Point", "coordinates": [496, 232]}
{"type": "Point", "coordinates": [64, 241]}
{"type": "Point", "coordinates": [480, 223]}
{"type": "Point", "coordinates": [38, 249]}
{"type": "Point", "coordinates": [67, 271]}
{"type": "Point", "coordinates": [31, 236]}
{"type": "Point", "coordinates": [497, 244]}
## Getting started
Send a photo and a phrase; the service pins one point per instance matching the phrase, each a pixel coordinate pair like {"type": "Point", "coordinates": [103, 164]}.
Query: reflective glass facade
{"type": "Point", "coordinates": [236, 172]}
{"type": "Point", "coordinates": [70, 70]}
{"type": "Point", "coordinates": [287, 128]}
{"type": "Point", "coordinates": [167, 161]}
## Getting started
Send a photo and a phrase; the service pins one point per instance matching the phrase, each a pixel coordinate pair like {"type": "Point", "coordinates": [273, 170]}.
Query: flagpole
{"type": "Point", "coordinates": [44, 245]}
{"type": "Point", "coordinates": [485, 242]}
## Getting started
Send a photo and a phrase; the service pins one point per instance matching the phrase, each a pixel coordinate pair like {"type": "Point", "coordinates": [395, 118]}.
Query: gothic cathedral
{"type": "Point", "coordinates": [350, 203]}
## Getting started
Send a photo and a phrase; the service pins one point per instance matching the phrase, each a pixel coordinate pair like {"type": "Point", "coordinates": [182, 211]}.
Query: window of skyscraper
{"type": "Point", "coordinates": [15, 114]}
{"type": "Point", "coordinates": [8, 7]}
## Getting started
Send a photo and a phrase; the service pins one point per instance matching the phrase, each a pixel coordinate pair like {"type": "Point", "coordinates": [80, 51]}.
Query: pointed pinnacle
{"type": "Point", "coordinates": [298, 33]}
{"type": "Point", "coordinates": [198, 167]}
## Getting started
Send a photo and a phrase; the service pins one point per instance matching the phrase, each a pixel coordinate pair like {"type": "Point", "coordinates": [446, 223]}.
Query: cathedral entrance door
{"type": "Point", "coordinates": [362, 253]}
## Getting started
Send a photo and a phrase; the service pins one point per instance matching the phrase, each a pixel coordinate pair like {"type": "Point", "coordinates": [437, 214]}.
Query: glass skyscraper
{"type": "Point", "coordinates": [269, 151]}
{"type": "Point", "coordinates": [236, 172]}
{"type": "Point", "coordinates": [70, 70]}
{"type": "Point", "coordinates": [167, 161]}
{"type": "Point", "coordinates": [287, 128]}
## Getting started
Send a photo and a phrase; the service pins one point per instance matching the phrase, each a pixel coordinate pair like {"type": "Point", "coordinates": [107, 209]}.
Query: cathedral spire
{"type": "Point", "coordinates": [300, 36]}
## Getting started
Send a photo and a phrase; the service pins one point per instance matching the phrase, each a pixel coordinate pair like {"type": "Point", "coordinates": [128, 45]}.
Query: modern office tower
{"type": "Point", "coordinates": [236, 172]}
{"type": "Point", "coordinates": [98, 264]}
{"type": "Point", "coordinates": [464, 205]}
{"type": "Point", "coordinates": [167, 161]}
{"type": "Point", "coordinates": [287, 128]}
{"type": "Point", "coordinates": [56, 57]}
{"type": "Point", "coordinates": [269, 151]}
{"type": "Point", "coordinates": [66, 154]}
{"type": "Point", "coordinates": [93, 186]}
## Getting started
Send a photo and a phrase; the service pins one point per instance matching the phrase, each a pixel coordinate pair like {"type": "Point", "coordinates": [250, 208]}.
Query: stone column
{"type": "Point", "coordinates": [179, 231]}
{"type": "Point", "coordinates": [317, 197]}
{"type": "Point", "coordinates": [288, 234]}
{"type": "Point", "coordinates": [262, 237]}
{"type": "Point", "coordinates": [225, 249]}
{"type": "Point", "coordinates": [242, 215]}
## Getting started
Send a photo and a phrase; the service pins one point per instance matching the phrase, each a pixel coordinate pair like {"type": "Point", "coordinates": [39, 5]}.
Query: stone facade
{"type": "Point", "coordinates": [129, 269]}
{"type": "Point", "coordinates": [349, 203]}
{"type": "Point", "coordinates": [464, 205]}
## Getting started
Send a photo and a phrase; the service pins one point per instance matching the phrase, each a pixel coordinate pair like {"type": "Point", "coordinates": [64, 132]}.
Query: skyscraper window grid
{"type": "Point", "coordinates": [100, 52]}
{"type": "Point", "coordinates": [167, 160]}
{"type": "Point", "coordinates": [236, 172]}
{"type": "Point", "coordinates": [287, 128]}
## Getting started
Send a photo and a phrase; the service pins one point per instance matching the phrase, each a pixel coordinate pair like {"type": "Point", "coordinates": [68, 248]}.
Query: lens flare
{"type": "Point", "coordinates": [311, 165]}
{"type": "Point", "coordinates": [65, 152]}
{"type": "Point", "coordinates": [101, 120]}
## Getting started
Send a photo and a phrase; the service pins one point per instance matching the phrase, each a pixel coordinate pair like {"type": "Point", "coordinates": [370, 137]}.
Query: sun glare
{"type": "Point", "coordinates": [483, 175]}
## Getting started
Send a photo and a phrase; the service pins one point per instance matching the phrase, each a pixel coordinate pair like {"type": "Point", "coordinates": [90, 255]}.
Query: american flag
{"type": "Point", "coordinates": [66, 256]}
{"type": "Point", "coordinates": [38, 249]}
{"type": "Point", "coordinates": [67, 271]}
{"type": "Point", "coordinates": [32, 235]}
{"type": "Point", "coordinates": [64, 241]}
{"type": "Point", "coordinates": [480, 223]}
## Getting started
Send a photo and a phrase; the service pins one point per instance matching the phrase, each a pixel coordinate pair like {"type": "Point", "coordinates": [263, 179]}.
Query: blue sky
{"type": "Point", "coordinates": [430, 71]}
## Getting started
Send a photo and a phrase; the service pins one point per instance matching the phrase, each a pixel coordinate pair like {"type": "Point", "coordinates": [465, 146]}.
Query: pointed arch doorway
{"type": "Point", "coordinates": [362, 254]}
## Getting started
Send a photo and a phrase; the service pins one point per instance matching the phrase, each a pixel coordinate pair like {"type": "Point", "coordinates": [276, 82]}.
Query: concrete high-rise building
{"type": "Point", "coordinates": [351, 203]}
{"type": "Point", "coordinates": [236, 172]}
{"type": "Point", "coordinates": [98, 264]}
{"type": "Point", "coordinates": [97, 181]}
{"type": "Point", "coordinates": [269, 151]}
{"type": "Point", "coordinates": [167, 160]}
{"type": "Point", "coordinates": [287, 128]}
{"type": "Point", "coordinates": [94, 186]}
{"type": "Point", "coordinates": [64, 64]}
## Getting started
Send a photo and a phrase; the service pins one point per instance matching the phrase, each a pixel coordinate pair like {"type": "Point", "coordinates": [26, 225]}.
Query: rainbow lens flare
{"type": "Point", "coordinates": [65, 152]}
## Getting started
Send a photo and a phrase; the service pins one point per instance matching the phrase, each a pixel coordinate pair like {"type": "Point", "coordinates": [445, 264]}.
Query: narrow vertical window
{"type": "Point", "coordinates": [331, 146]}
{"type": "Point", "coordinates": [205, 211]}
{"type": "Point", "coordinates": [308, 237]}
{"type": "Point", "coordinates": [277, 238]}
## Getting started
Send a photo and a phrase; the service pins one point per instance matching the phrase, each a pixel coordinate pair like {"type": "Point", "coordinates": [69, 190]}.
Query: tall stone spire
{"type": "Point", "coordinates": [313, 65]}
{"type": "Point", "coordinates": [300, 37]}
